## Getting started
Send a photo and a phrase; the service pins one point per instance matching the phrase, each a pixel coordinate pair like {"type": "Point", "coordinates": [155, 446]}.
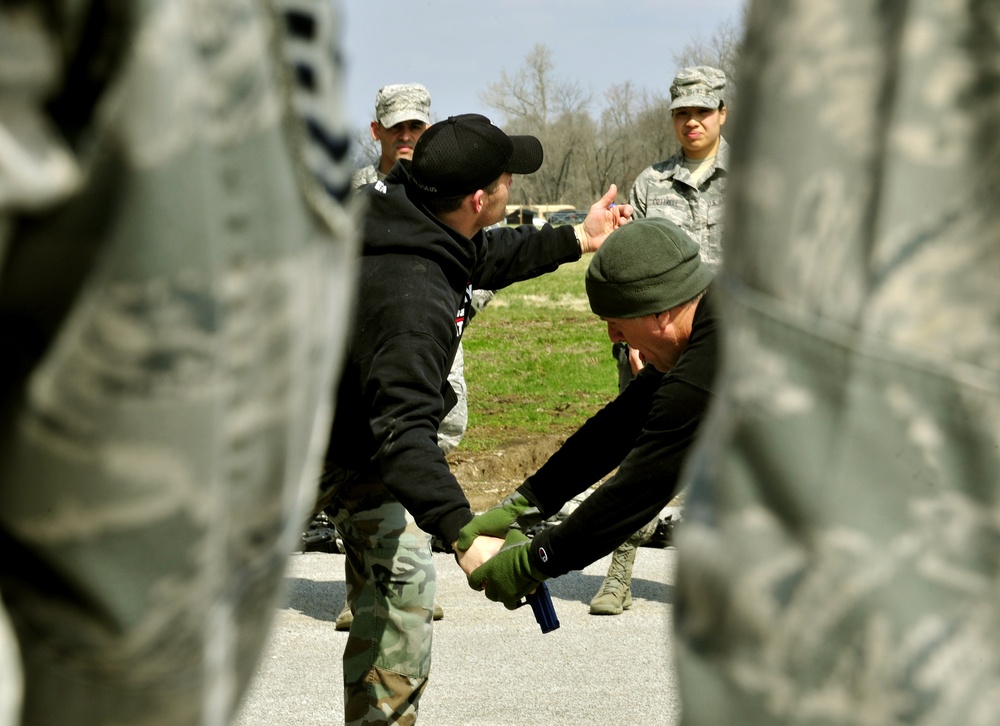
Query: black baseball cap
{"type": "Point", "coordinates": [465, 153]}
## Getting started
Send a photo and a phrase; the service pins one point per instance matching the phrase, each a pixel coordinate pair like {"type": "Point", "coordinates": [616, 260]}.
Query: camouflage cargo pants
{"type": "Point", "coordinates": [390, 589]}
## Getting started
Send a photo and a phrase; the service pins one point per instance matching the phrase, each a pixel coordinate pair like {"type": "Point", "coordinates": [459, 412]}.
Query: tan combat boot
{"type": "Point", "coordinates": [615, 594]}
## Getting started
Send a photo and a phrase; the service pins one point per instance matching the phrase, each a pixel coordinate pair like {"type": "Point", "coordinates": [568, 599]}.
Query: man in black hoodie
{"type": "Point", "coordinates": [424, 250]}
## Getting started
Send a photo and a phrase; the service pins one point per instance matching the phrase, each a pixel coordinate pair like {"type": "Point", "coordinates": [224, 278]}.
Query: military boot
{"type": "Point", "coordinates": [346, 617]}
{"type": "Point", "coordinates": [615, 594]}
{"type": "Point", "coordinates": [344, 620]}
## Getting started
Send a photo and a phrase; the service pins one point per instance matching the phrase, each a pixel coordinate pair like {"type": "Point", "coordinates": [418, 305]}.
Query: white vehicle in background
{"type": "Point", "coordinates": [539, 214]}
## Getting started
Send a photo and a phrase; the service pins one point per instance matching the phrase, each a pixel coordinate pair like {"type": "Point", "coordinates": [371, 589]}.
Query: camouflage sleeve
{"type": "Point", "coordinates": [364, 175]}
{"type": "Point", "coordinates": [453, 425]}
{"type": "Point", "coordinates": [839, 556]}
{"type": "Point", "coordinates": [637, 194]}
{"type": "Point", "coordinates": [170, 319]}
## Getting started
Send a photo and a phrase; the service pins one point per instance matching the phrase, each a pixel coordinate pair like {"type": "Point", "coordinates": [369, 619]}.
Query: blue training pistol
{"type": "Point", "coordinates": [541, 605]}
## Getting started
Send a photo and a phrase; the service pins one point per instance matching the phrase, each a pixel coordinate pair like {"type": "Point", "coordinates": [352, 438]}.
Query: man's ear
{"type": "Point", "coordinates": [374, 130]}
{"type": "Point", "coordinates": [478, 201]}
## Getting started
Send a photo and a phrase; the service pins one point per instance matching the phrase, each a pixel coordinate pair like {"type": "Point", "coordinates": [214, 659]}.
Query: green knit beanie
{"type": "Point", "coordinates": [643, 268]}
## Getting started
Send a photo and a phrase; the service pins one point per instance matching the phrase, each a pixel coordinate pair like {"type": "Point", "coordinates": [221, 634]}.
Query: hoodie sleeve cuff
{"type": "Point", "coordinates": [543, 557]}
{"type": "Point", "coordinates": [450, 525]}
{"type": "Point", "coordinates": [537, 498]}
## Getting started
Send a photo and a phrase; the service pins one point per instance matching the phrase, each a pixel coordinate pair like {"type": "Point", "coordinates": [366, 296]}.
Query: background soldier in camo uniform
{"type": "Point", "coordinates": [402, 112]}
{"type": "Point", "coordinates": [689, 190]}
{"type": "Point", "coordinates": [840, 555]}
{"type": "Point", "coordinates": [175, 267]}
{"type": "Point", "coordinates": [689, 187]}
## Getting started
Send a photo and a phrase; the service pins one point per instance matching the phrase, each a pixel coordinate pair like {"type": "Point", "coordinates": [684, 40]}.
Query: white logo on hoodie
{"type": "Point", "coordinates": [460, 313]}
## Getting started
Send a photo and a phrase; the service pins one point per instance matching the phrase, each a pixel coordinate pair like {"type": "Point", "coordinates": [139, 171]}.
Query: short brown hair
{"type": "Point", "coordinates": [437, 207]}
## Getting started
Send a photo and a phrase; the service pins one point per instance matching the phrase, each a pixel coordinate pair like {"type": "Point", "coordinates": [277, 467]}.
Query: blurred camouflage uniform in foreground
{"type": "Point", "coordinates": [840, 558]}
{"type": "Point", "coordinates": [175, 270]}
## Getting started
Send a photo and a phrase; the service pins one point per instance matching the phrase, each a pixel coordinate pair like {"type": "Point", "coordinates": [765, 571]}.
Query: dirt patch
{"type": "Point", "coordinates": [487, 477]}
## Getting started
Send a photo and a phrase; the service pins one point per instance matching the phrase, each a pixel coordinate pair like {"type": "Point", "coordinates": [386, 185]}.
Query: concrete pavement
{"type": "Point", "coordinates": [491, 666]}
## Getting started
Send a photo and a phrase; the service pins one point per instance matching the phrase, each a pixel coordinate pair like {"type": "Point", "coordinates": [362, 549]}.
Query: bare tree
{"type": "Point", "coordinates": [533, 100]}
{"type": "Point", "coordinates": [613, 146]}
{"type": "Point", "coordinates": [364, 150]}
{"type": "Point", "coordinates": [721, 50]}
{"type": "Point", "coordinates": [533, 96]}
{"type": "Point", "coordinates": [584, 156]}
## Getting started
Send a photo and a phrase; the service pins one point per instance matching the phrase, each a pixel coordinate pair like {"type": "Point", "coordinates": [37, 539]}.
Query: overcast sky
{"type": "Point", "coordinates": [458, 48]}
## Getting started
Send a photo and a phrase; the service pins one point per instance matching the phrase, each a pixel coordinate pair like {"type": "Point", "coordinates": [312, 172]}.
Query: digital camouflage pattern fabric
{"type": "Point", "coordinates": [665, 190]}
{"type": "Point", "coordinates": [402, 102]}
{"type": "Point", "coordinates": [174, 269]}
{"type": "Point", "coordinates": [364, 175]}
{"type": "Point", "coordinates": [840, 554]}
{"type": "Point", "coordinates": [697, 86]}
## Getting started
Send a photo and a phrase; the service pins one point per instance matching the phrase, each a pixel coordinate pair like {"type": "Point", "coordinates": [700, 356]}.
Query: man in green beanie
{"type": "Point", "coordinates": [648, 283]}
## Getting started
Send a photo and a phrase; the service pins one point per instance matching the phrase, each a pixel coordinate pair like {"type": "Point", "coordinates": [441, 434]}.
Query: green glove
{"type": "Point", "coordinates": [509, 575]}
{"type": "Point", "coordinates": [497, 521]}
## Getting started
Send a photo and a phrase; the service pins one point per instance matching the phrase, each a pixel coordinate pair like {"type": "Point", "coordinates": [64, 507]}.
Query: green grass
{"type": "Point", "coordinates": [537, 361]}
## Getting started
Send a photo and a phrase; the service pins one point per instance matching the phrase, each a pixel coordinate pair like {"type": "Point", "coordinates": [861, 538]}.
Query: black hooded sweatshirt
{"type": "Point", "coordinates": [413, 299]}
{"type": "Point", "coordinates": [648, 432]}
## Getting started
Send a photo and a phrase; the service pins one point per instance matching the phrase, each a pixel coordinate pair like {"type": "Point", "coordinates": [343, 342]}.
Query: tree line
{"type": "Point", "coordinates": [586, 151]}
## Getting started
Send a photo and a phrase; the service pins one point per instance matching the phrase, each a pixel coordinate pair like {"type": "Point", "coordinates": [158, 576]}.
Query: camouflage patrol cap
{"type": "Point", "coordinates": [699, 86]}
{"type": "Point", "coordinates": [402, 102]}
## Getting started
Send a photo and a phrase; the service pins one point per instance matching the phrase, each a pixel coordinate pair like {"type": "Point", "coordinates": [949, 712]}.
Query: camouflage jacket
{"type": "Point", "coordinates": [365, 175]}
{"type": "Point", "coordinates": [665, 190]}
